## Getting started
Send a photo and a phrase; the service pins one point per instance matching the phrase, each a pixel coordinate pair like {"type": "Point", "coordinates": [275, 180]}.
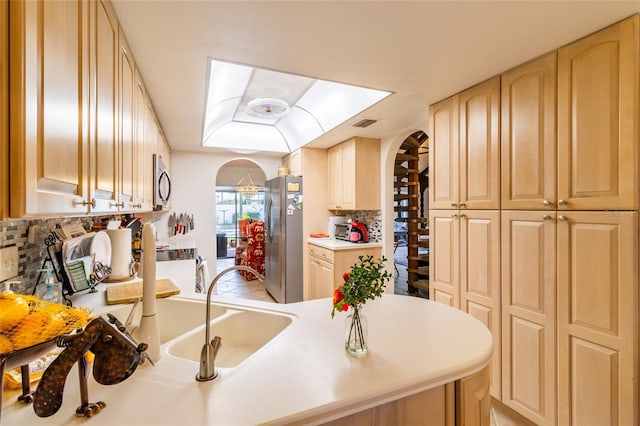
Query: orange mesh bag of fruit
{"type": "Point", "coordinates": [26, 321]}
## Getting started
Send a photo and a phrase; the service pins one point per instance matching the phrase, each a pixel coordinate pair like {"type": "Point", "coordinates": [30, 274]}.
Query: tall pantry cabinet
{"type": "Point", "coordinates": [568, 233]}
{"type": "Point", "coordinates": [465, 234]}
{"type": "Point", "coordinates": [597, 279]}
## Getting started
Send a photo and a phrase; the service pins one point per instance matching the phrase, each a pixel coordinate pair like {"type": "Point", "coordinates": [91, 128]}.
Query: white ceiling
{"type": "Point", "coordinates": [422, 51]}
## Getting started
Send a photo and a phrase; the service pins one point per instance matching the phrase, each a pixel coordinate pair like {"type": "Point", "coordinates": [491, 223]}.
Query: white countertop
{"type": "Point", "coordinates": [334, 244]}
{"type": "Point", "coordinates": [414, 344]}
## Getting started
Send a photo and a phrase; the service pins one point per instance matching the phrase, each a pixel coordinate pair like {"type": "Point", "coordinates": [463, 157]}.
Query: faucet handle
{"type": "Point", "coordinates": [207, 360]}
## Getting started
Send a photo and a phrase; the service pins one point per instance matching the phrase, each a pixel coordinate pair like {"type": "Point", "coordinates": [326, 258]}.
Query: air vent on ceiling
{"type": "Point", "coordinates": [365, 122]}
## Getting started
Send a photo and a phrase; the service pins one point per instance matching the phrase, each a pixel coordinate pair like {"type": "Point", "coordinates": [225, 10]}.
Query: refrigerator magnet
{"type": "Point", "coordinates": [290, 209]}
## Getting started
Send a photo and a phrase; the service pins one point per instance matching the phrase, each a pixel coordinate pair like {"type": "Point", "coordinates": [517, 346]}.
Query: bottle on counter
{"type": "Point", "coordinates": [50, 290]}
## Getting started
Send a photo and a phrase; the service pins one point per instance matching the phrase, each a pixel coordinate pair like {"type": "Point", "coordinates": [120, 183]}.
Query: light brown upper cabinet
{"type": "Point", "coordinates": [598, 120]}
{"type": "Point", "coordinates": [354, 175]}
{"type": "Point", "coordinates": [444, 190]}
{"type": "Point", "coordinates": [4, 108]}
{"type": "Point", "coordinates": [49, 99]}
{"type": "Point", "coordinates": [104, 166]}
{"type": "Point", "coordinates": [465, 152]}
{"type": "Point", "coordinates": [126, 137]}
{"type": "Point", "coordinates": [528, 104]}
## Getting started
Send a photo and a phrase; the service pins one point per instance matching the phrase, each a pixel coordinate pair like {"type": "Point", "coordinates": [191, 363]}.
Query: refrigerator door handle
{"type": "Point", "coordinates": [268, 220]}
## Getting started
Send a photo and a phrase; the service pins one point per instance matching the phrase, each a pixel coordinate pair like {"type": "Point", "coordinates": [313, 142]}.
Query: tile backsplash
{"type": "Point", "coordinates": [28, 235]}
{"type": "Point", "coordinates": [372, 220]}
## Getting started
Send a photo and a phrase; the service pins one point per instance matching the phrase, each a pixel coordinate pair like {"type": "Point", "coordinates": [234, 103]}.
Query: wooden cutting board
{"type": "Point", "coordinates": [128, 293]}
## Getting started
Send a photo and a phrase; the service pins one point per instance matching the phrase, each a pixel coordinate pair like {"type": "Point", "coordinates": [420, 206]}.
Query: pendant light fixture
{"type": "Point", "coordinates": [247, 188]}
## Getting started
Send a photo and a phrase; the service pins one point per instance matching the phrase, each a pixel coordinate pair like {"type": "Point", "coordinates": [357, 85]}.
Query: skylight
{"type": "Point", "coordinates": [255, 109]}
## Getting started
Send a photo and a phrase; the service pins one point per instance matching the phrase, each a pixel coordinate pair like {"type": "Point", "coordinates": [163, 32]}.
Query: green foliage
{"type": "Point", "coordinates": [366, 281]}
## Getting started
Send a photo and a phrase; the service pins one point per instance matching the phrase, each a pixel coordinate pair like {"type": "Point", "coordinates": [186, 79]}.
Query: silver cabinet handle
{"type": "Point", "coordinates": [454, 215]}
{"type": "Point", "coordinates": [462, 215]}
{"type": "Point", "coordinates": [562, 202]}
{"type": "Point", "coordinates": [546, 217]}
{"type": "Point", "coordinates": [463, 205]}
{"type": "Point", "coordinates": [454, 204]}
{"type": "Point", "coordinates": [562, 218]}
{"type": "Point", "coordinates": [91, 203]}
{"type": "Point", "coordinates": [137, 206]}
{"type": "Point", "coordinates": [546, 203]}
{"type": "Point", "coordinates": [116, 204]}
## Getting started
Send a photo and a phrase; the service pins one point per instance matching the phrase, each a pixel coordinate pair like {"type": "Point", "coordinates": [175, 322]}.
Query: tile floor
{"type": "Point", "coordinates": [234, 285]}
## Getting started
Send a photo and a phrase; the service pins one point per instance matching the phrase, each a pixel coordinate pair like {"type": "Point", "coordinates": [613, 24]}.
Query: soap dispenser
{"type": "Point", "coordinates": [50, 290]}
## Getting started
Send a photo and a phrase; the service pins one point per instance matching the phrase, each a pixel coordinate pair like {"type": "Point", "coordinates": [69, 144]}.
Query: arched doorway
{"type": "Point", "coordinates": [233, 205]}
{"type": "Point", "coordinates": [411, 227]}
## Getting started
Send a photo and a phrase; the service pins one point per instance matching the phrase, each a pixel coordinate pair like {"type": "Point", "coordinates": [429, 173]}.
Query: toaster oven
{"type": "Point", "coordinates": [342, 231]}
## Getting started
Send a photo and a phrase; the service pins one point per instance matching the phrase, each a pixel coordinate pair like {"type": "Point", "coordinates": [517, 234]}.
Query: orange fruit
{"type": "Point", "coordinates": [12, 311]}
{"type": "Point", "coordinates": [5, 344]}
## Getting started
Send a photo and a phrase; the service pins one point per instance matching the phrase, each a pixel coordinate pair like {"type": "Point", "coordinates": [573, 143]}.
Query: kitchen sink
{"type": "Point", "coordinates": [175, 316]}
{"type": "Point", "coordinates": [243, 333]}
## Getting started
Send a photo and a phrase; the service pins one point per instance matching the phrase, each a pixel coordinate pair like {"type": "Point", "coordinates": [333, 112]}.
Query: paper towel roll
{"type": "Point", "coordinates": [120, 253]}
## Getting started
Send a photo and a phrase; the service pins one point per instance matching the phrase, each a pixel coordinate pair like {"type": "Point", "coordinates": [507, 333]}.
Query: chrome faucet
{"type": "Point", "coordinates": [210, 348]}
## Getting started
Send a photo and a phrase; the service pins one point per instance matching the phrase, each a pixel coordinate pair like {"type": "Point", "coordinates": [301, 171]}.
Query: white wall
{"type": "Point", "coordinates": [193, 177]}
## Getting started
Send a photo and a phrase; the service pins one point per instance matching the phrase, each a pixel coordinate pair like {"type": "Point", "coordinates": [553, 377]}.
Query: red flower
{"type": "Point", "coordinates": [346, 276]}
{"type": "Point", "coordinates": [338, 296]}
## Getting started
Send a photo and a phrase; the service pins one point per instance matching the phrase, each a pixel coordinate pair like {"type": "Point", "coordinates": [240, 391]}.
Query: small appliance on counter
{"type": "Point", "coordinates": [358, 232]}
{"type": "Point", "coordinates": [333, 221]}
{"type": "Point", "coordinates": [341, 231]}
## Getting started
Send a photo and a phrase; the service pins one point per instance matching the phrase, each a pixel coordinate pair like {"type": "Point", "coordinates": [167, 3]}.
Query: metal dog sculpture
{"type": "Point", "coordinates": [117, 356]}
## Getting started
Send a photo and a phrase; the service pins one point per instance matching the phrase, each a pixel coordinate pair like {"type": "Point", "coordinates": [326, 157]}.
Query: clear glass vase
{"type": "Point", "coordinates": [355, 334]}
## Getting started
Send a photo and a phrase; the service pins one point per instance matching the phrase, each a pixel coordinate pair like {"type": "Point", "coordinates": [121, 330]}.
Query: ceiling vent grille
{"type": "Point", "coordinates": [365, 122]}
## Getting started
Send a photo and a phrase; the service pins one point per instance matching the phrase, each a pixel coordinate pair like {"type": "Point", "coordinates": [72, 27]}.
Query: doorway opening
{"type": "Point", "coordinates": [234, 203]}
{"type": "Point", "coordinates": [411, 223]}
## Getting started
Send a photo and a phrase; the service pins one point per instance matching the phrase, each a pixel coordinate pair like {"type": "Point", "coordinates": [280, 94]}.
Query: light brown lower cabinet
{"type": "Point", "coordinates": [598, 318]}
{"type": "Point", "coordinates": [326, 267]}
{"type": "Point", "coordinates": [529, 314]}
{"type": "Point", "coordinates": [464, 262]}
{"type": "Point", "coordinates": [463, 402]}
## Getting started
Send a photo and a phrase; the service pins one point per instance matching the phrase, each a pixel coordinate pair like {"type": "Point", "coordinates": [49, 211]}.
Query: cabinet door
{"type": "Point", "coordinates": [597, 318]}
{"type": "Point", "coordinates": [320, 279]}
{"type": "Point", "coordinates": [444, 259]}
{"type": "Point", "coordinates": [349, 181]}
{"type": "Point", "coordinates": [529, 135]}
{"type": "Point", "coordinates": [142, 181]}
{"type": "Point", "coordinates": [529, 314]}
{"type": "Point", "coordinates": [4, 108]}
{"type": "Point", "coordinates": [49, 98]}
{"type": "Point", "coordinates": [334, 161]}
{"type": "Point", "coordinates": [127, 142]}
{"type": "Point", "coordinates": [443, 154]}
{"type": "Point", "coordinates": [150, 136]}
{"type": "Point", "coordinates": [598, 120]}
{"type": "Point", "coordinates": [480, 277]}
{"type": "Point", "coordinates": [480, 146]}
{"type": "Point", "coordinates": [104, 148]}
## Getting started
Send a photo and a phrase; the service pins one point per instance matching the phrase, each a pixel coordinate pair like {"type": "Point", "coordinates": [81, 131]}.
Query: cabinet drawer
{"type": "Point", "coordinates": [321, 252]}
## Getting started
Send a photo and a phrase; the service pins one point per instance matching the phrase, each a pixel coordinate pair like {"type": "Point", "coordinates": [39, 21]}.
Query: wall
{"type": "Point", "coordinates": [230, 175]}
{"type": "Point", "coordinates": [194, 178]}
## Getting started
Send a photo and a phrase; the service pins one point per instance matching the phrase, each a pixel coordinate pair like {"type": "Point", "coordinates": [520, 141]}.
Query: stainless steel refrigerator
{"type": "Point", "coordinates": [283, 248]}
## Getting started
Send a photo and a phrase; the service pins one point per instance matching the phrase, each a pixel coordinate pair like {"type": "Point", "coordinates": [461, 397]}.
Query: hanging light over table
{"type": "Point", "coordinates": [246, 187]}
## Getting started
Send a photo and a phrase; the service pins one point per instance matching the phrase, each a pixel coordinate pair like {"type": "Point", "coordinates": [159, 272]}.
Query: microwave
{"type": "Point", "coordinates": [161, 183]}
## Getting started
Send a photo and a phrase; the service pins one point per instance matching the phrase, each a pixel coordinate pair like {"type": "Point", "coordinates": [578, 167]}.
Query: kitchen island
{"type": "Point", "coordinates": [427, 364]}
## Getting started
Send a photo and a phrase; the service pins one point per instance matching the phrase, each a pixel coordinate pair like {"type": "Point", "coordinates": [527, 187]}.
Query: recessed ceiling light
{"type": "Point", "coordinates": [268, 108]}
